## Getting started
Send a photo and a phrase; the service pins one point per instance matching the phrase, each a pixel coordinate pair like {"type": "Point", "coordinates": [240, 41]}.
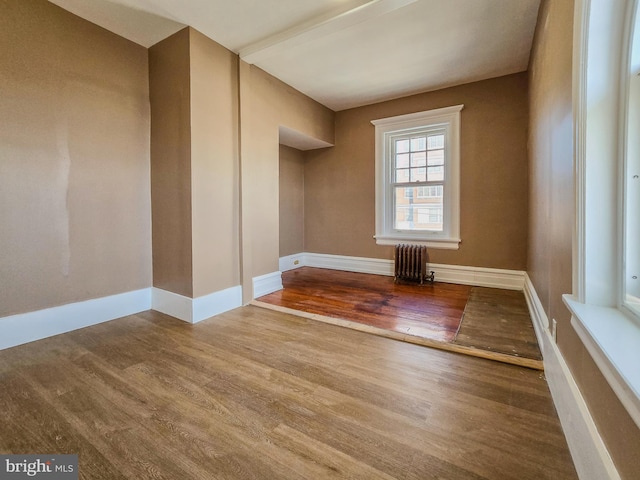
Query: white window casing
{"type": "Point", "coordinates": [443, 120]}
{"type": "Point", "coordinates": [604, 101]}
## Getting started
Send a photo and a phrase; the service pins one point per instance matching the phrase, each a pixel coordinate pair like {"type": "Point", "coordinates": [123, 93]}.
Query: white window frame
{"type": "Point", "coordinates": [608, 330]}
{"type": "Point", "coordinates": [448, 119]}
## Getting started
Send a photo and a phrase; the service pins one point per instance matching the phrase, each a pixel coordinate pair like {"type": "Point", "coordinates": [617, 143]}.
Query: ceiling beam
{"type": "Point", "coordinates": [319, 27]}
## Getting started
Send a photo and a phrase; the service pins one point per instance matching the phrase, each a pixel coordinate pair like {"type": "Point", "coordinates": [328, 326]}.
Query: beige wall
{"type": "Point", "coordinates": [170, 94]}
{"type": "Point", "coordinates": [551, 219]}
{"type": "Point", "coordinates": [265, 104]}
{"type": "Point", "coordinates": [195, 165]}
{"type": "Point", "coordinates": [215, 166]}
{"type": "Point", "coordinates": [76, 175]}
{"type": "Point", "coordinates": [340, 181]}
{"type": "Point", "coordinates": [74, 160]}
{"type": "Point", "coordinates": [291, 201]}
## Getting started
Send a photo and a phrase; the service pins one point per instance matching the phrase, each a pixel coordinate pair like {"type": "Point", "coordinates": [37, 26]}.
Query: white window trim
{"type": "Point", "coordinates": [449, 238]}
{"type": "Point", "coordinates": [610, 334]}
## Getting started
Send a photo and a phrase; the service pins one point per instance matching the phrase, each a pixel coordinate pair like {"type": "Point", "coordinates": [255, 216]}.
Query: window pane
{"type": "Point", "coordinates": [418, 143]}
{"type": "Point", "coordinates": [436, 157]}
{"type": "Point", "coordinates": [436, 174]}
{"type": "Point", "coordinates": [402, 175]}
{"type": "Point", "coordinates": [430, 218]}
{"type": "Point", "coordinates": [632, 225]}
{"type": "Point", "coordinates": [413, 213]}
{"type": "Point", "coordinates": [435, 141]}
{"type": "Point", "coordinates": [402, 161]}
{"type": "Point", "coordinates": [431, 192]}
{"type": "Point", "coordinates": [402, 146]}
{"type": "Point", "coordinates": [419, 159]}
{"type": "Point", "coordinates": [631, 179]}
{"type": "Point", "coordinates": [419, 174]}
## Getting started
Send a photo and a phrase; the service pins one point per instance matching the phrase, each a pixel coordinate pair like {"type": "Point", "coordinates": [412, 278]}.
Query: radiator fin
{"type": "Point", "coordinates": [411, 264]}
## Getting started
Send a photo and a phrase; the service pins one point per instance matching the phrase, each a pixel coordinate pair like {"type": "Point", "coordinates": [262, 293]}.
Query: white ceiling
{"type": "Point", "coordinates": [343, 53]}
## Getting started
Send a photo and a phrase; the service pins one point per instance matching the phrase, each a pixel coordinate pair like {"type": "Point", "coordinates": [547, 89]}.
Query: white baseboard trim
{"type": "Point", "coordinates": [216, 303]}
{"type": "Point", "coordinates": [589, 453]}
{"type": "Point", "coordinates": [538, 315]}
{"type": "Point", "coordinates": [172, 304]}
{"type": "Point", "coordinates": [194, 310]}
{"type": "Point", "coordinates": [375, 266]}
{"type": "Point", "coordinates": [291, 262]}
{"type": "Point", "coordinates": [266, 284]}
{"type": "Point", "coordinates": [31, 326]}
{"type": "Point", "coordinates": [477, 276]}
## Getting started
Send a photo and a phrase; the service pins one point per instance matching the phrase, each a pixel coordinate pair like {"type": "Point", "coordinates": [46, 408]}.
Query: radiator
{"type": "Point", "coordinates": [411, 264]}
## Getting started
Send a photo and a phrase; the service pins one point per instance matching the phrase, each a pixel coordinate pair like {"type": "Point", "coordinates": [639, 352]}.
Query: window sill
{"type": "Point", "coordinates": [444, 243]}
{"type": "Point", "coordinates": [613, 341]}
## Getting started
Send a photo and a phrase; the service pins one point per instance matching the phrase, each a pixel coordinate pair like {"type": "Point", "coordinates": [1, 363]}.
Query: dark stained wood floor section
{"type": "Point", "coordinates": [486, 322]}
{"type": "Point", "coordinates": [257, 394]}
{"type": "Point", "coordinates": [431, 311]}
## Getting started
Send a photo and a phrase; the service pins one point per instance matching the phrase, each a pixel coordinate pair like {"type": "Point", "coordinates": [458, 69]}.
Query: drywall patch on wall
{"type": "Point", "coordinates": [61, 204]}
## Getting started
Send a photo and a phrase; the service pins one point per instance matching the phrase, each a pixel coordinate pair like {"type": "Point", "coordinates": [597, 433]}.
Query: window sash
{"type": "Point", "coordinates": [402, 147]}
{"type": "Point", "coordinates": [440, 131]}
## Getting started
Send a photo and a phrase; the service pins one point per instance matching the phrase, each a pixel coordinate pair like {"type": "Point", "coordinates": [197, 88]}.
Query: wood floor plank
{"type": "Point", "coordinates": [498, 320]}
{"type": "Point", "coordinates": [29, 424]}
{"type": "Point", "coordinates": [494, 323]}
{"type": "Point", "coordinates": [257, 394]}
{"type": "Point", "coordinates": [431, 311]}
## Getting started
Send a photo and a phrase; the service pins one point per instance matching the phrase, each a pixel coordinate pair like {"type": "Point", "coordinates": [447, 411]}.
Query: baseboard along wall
{"type": "Point", "coordinates": [193, 310]}
{"type": "Point", "coordinates": [477, 276]}
{"type": "Point", "coordinates": [589, 453]}
{"type": "Point", "coordinates": [29, 327]}
{"type": "Point", "coordinates": [268, 283]}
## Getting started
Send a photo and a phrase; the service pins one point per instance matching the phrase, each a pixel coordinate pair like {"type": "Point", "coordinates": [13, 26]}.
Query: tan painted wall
{"type": "Point", "coordinates": [265, 104]}
{"type": "Point", "coordinates": [74, 160]}
{"type": "Point", "coordinates": [552, 218]}
{"type": "Point", "coordinates": [340, 181]}
{"type": "Point", "coordinates": [215, 186]}
{"type": "Point", "coordinates": [291, 201]}
{"type": "Point", "coordinates": [170, 92]}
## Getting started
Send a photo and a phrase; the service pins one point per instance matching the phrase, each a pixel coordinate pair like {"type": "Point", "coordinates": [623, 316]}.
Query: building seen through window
{"type": "Point", "coordinates": [419, 173]}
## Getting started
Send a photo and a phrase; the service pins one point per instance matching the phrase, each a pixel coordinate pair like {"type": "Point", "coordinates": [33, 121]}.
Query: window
{"type": "Point", "coordinates": [604, 307]}
{"type": "Point", "coordinates": [631, 175]}
{"type": "Point", "coordinates": [417, 178]}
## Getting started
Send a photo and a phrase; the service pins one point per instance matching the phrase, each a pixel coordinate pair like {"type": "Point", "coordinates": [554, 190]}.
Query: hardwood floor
{"type": "Point", "coordinates": [498, 320]}
{"type": "Point", "coordinates": [484, 322]}
{"type": "Point", "coordinates": [432, 311]}
{"type": "Point", "coordinates": [257, 394]}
